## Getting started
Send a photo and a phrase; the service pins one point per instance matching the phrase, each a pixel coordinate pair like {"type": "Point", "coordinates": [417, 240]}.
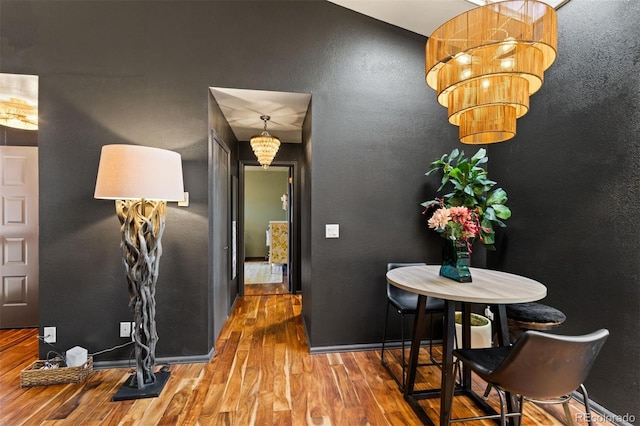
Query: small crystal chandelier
{"type": "Point", "coordinates": [264, 145]}
{"type": "Point", "coordinates": [485, 63]}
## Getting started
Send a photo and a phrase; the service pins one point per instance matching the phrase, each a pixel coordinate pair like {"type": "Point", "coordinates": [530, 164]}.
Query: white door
{"type": "Point", "coordinates": [19, 236]}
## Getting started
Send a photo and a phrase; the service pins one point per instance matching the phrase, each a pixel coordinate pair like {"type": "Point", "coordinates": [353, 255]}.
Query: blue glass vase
{"type": "Point", "coordinates": [455, 261]}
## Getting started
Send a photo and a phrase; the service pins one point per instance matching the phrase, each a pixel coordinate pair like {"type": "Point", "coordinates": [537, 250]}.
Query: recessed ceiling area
{"type": "Point", "coordinates": [242, 109]}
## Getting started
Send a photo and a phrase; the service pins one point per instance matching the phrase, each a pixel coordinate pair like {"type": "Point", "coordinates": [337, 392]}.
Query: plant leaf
{"type": "Point", "coordinates": [489, 214]}
{"type": "Point", "coordinates": [502, 211]}
{"type": "Point", "coordinates": [430, 203]}
{"type": "Point", "coordinates": [497, 196]}
{"type": "Point", "coordinates": [479, 155]}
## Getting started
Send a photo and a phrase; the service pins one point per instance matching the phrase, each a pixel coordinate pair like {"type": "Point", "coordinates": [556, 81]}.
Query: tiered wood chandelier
{"type": "Point", "coordinates": [485, 63]}
{"type": "Point", "coordinates": [264, 145]}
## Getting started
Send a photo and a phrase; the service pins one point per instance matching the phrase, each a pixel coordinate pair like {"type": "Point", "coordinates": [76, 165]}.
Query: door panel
{"type": "Point", "coordinates": [220, 230]}
{"type": "Point", "coordinates": [19, 288]}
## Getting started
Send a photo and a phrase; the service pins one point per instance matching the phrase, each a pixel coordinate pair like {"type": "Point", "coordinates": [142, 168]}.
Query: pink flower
{"type": "Point", "coordinates": [459, 214]}
{"type": "Point", "coordinates": [470, 229]}
{"type": "Point", "coordinates": [439, 219]}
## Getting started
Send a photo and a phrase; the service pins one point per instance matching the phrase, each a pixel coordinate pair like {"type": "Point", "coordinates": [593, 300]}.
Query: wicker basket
{"type": "Point", "coordinates": [34, 376]}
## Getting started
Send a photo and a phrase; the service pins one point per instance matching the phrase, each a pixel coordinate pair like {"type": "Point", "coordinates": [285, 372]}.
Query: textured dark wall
{"type": "Point", "coordinates": [573, 176]}
{"type": "Point", "coordinates": [105, 80]}
{"type": "Point", "coordinates": [138, 72]}
{"type": "Point", "coordinates": [374, 133]}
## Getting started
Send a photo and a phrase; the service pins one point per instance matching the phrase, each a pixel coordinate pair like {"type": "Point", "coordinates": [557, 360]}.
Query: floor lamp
{"type": "Point", "coordinates": [141, 180]}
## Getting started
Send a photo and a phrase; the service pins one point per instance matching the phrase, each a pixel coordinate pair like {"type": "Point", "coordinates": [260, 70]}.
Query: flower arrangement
{"type": "Point", "coordinates": [456, 223]}
{"type": "Point", "coordinates": [473, 207]}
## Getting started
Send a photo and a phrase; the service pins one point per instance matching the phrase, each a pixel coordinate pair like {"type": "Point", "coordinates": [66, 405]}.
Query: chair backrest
{"type": "Point", "coordinates": [393, 291]}
{"type": "Point", "coordinates": [544, 365]}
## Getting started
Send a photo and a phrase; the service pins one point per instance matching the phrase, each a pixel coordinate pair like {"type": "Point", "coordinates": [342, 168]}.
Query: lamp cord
{"type": "Point", "coordinates": [111, 349]}
{"type": "Point", "coordinates": [59, 353]}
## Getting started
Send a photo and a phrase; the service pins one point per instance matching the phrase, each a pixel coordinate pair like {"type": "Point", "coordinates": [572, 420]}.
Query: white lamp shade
{"type": "Point", "coordinates": [131, 172]}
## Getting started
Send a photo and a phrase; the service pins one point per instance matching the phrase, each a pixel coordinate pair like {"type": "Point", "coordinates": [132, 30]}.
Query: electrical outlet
{"type": "Point", "coordinates": [125, 329]}
{"type": "Point", "coordinates": [49, 334]}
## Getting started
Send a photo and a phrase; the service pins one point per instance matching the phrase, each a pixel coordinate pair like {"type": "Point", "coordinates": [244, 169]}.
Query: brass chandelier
{"type": "Point", "coordinates": [264, 145]}
{"type": "Point", "coordinates": [485, 63]}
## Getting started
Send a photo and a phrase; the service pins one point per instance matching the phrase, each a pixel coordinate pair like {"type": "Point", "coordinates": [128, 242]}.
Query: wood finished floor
{"type": "Point", "coordinates": [262, 374]}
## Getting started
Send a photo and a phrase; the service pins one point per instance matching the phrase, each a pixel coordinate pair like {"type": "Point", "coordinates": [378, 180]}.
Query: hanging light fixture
{"type": "Point", "coordinates": [485, 63]}
{"type": "Point", "coordinates": [19, 101]}
{"type": "Point", "coordinates": [264, 145]}
{"type": "Point", "coordinates": [19, 114]}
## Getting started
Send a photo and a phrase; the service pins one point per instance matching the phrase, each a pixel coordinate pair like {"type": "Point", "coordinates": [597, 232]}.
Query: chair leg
{"type": "Point", "coordinates": [401, 383]}
{"type": "Point", "coordinates": [455, 345]}
{"type": "Point", "coordinates": [587, 406]}
{"type": "Point", "coordinates": [487, 391]}
{"type": "Point", "coordinates": [567, 412]}
{"type": "Point", "coordinates": [433, 360]}
{"type": "Point", "coordinates": [384, 333]}
{"type": "Point", "coordinates": [403, 355]}
{"type": "Point", "coordinates": [520, 410]}
{"type": "Point", "coordinates": [382, 360]}
{"type": "Point", "coordinates": [503, 418]}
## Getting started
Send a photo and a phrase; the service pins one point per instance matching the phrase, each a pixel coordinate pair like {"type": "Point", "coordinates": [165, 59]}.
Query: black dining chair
{"type": "Point", "coordinates": [538, 367]}
{"type": "Point", "coordinates": [531, 316]}
{"type": "Point", "coordinates": [405, 303]}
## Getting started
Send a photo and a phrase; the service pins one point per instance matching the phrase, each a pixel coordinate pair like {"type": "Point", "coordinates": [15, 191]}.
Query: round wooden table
{"type": "Point", "coordinates": [489, 288]}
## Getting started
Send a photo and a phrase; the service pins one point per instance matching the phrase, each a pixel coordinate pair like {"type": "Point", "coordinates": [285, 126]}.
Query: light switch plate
{"type": "Point", "coordinates": [332, 230]}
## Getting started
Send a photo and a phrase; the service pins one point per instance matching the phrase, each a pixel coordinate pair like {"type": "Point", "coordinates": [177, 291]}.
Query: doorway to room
{"type": "Point", "coordinates": [236, 115]}
{"type": "Point", "coordinates": [19, 231]}
{"type": "Point", "coordinates": [19, 272]}
{"type": "Point", "coordinates": [267, 219]}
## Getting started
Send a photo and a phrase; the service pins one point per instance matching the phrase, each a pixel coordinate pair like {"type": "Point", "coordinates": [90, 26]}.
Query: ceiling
{"type": "Point", "coordinates": [420, 16]}
{"type": "Point", "coordinates": [243, 108]}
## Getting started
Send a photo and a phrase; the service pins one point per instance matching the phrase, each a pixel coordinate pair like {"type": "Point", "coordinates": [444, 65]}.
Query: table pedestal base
{"type": "Point", "coordinates": [449, 388]}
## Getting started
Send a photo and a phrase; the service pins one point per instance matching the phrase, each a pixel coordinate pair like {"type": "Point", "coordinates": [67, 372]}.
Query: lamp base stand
{"type": "Point", "coordinates": [153, 390]}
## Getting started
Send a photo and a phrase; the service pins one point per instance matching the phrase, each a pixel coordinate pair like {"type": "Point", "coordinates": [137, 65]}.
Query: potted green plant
{"type": "Point", "coordinates": [470, 187]}
{"type": "Point", "coordinates": [472, 209]}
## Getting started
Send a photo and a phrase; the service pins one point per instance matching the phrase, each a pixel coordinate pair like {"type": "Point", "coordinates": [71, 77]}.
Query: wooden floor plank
{"type": "Point", "coordinates": [262, 374]}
